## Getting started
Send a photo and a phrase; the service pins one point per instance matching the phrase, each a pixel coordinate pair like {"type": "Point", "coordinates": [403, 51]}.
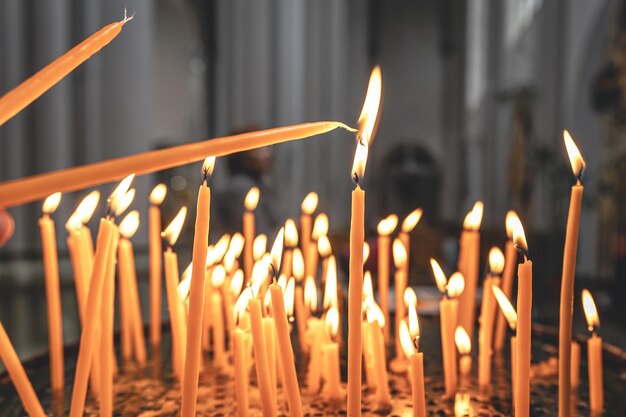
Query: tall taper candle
{"type": "Point", "coordinates": [156, 262]}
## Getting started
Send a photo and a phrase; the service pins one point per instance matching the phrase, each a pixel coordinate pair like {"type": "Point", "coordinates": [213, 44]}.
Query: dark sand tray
{"type": "Point", "coordinates": [152, 391]}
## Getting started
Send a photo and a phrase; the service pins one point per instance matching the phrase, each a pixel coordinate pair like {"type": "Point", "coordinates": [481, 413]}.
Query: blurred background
{"type": "Point", "coordinates": [476, 96]}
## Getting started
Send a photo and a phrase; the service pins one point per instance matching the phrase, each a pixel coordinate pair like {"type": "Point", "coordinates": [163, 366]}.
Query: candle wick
{"type": "Point", "coordinates": [522, 251]}
{"type": "Point", "coordinates": [416, 343]}
{"type": "Point", "coordinates": [126, 17]}
{"type": "Point", "coordinates": [355, 178]}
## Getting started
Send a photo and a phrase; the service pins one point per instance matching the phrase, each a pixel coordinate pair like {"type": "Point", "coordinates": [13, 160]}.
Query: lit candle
{"type": "Point", "coordinates": [399, 363]}
{"type": "Point", "coordinates": [196, 293]}
{"type": "Point", "coordinates": [314, 337]}
{"type": "Point", "coordinates": [18, 376]}
{"type": "Point", "coordinates": [170, 263]}
{"type": "Point", "coordinates": [53, 296]}
{"type": "Point", "coordinates": [594, 355]}
{"type": "Point", "coordinates": [368, 359]}
{"type": "Point", "coordinates": [567, 279]}
{"type": "Point", "coordinates": [510, 315]}
{"type": "Point", "coordinates": [249, 230]}
{"type": "Point", "coordinates": [302, 313]}
{"type": "Point", "coordinates": [523, 331]}
{"type": "Point", "coordinates": [240, 354]}
{"type": "Point", "coordinates": [220, 357]}
{"type": "Point", "coordinates": [487, 317]}
{"type": "Point", "coordinates": [510, 266]}
{"type": "Point", "coordinates": [385, 228]}
{"type": "Point", "coordinates": [291, 242]}
{"type": "Point", "coordinates": [320, 231]}
{"type": "Point", "coordinates": [450, 289]}
{"type": "Point", "coordinates": [464, 346]}
{"type": "Point", "coordinates": [409, 337]}
{"type": "Point", "coordinates": [575, 380]}
{"type": "Point", "coordinates": [408, 224]}
{"type": "Point", "coordinates": [470, 256]}
{"type": "Point", "coordinates": [28, 91]}
{"type": "Point", "coordinates": [367, 122]}
{"type": "Point", "coordinates": [330, 353]}
{"type": "Point", "coordinates": [308, 206]}
{"type": "Point", "coordinates": [376, 321]}
{"type": "Point", "coordinates": [154, 247]}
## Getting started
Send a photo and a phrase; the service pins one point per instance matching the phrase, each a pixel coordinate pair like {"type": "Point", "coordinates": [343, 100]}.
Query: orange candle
{"type": "Point", "coordinates": [376, 320]}
{"type": "Point", "coordinates": [470, 255]}
{"type": "Point", "coordinates": [330, 354]}
{"type": "Point", "coordinates": [408, 224]}
{"type": "Point", "coordinates": [385, 228]}
{"type": "Point", "coordinates": [316, 337]}
{"type": "Point", "coordinates": [155, 252]}
{"type": "Point", "coordinates": [324, 250]}
{"type": "Point", "coordinates": [575, 380]}
{"type": "Point", "coordinates": [594, 355]}
{"type": "Point", "coordinates": [464, 346]}
{"type": "Point", "coordinates": [21, 191]}
{"type": "Point", "coordinates": [308, 206]}
{"type": "Point", "coordinates": [268, 404]}
{"type": "Point", "coordinates": [241, 368]}
{"type": "Point", "coordinates": [567, 279]}
{"type": "Point", "coordinates": [399, 363]}
{"type": "Point", "coordinates": [291, 242]}
{"type": "Point", "coordinates": [249, 233]}
{"type": "Point", "coordinates": [216, 304]}
{"type": "Point", "coordinates": [510, 266]}
{"type": "Point", "coordinates": [28, 91]}
{"type": "Point", "coordinates": [320, 231]}
{"type": "Point", "coordinates": [196, 293]}
{"type": "Point", "coordinates": [448, 307]}
{"type": "Point", "coordinates": [170, 262]}
{"type": "Point", "coordinates": [18, 376]}
{"type": "Point", "coordinates": [53, 296]}
{"type": "Point", "coordinates": [302, 313]}
{"type": "Point", "coordinates": [510, 315]}
{"type": "Point", "coordinates": [487, 317]}
{"type": "Point", "coordinates": [523, 328]}
{"type": "Point", "coordinates": [409, 337]}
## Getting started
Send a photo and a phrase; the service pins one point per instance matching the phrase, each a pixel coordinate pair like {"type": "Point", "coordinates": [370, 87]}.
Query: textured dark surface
{"type": "Point", "coordinates": [152, 392]}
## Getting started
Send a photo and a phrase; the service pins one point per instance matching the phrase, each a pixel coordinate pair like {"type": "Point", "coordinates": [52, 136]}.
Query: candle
{"type": "Point", "coordinates": [291, 242]}
{"type": "Point", "coordinates": [21, 191]}
{"type": "Point", "coordinates": [217, 306]}
{"type": "Point", "coordinates": [408, 224]}
{"type": "Point", "coordinates": [155, 252]}
{"type": "Point", "coordinates": [89, 336]}
{"type": "Point", "coordinates": [487, 317]}
{"type": "Point", "coordinates": [268, 404]}
{"type": "Point", "coordinates": [18, 376]}
{"type": "Point", "coordinates": [567, 278]}
{"type": "Point", "coordinates": [594, 355]}
{"type": "Point", "coordinates": [399, 364]}
{"type": "Point", "coordinates": [302, 312]}
{"type": "Point", "coordinates": [239, 337]}
{"type": "Point", "coordinates": [448, 307]}
{"type": "Point", "coordinates": [368, 354]}
{"type": "Point", "coordinates": [324, 250]}
{"type": "Point", "coordinates": [464, 346]}
{"type": "Point", "coordinates": [510, 266]}
{"type": "Point", "coordinates": [308, 206]}
{"type": "Point", "coordinates": [316, 337]}
{"type": "Point", "coordinates": [28, 91]}
{"type": "Point", "coordinates": [269, 333]}
{"type": "Point", "coordinates": [320, 230]}
{"type": "Point", "coordinates": [196, 293]}
{"type": "Point", "coordinates": [469, 268]}
{"type": "Point", "coordinates": [170, 263]}
{"type": "Point", "coordinates": [128, 226]}
{"type": "Point", "coordinates": [250, 203]}
{"type": "Point", "coordinates": [510, 315]}
{"type": "Point", "coordinates": [575, 369]}
{"type": "Point", "coordinates": [53, 296]}
{"type": "Point", "coordinates": [376, 321]}
{"type": "Point", "coordinates": [523, 333]}
{"type": "Point", "coordinates": [330, 353]}
{"type": "Point", "coordinates": [385, 228]}
{"type": "Point", "coordinates": [409, 337]}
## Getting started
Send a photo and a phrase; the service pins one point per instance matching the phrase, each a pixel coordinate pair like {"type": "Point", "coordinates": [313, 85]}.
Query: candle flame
{"type": "Point", "coordinates": [297, 264]}
{"type": "Point", "coordinates": [414, 325]}
{"type": "Point", "coordinates": [267, 302]}
{"type": "Point", "coordinates": [330, 288]}
{"type": "Point", "coordinates": [236, 283]}
{"type": "Point", "coordinates": [496, 260]}
{"type": "Point", "coordinates": [229, 260]}
{"type": "Point", "coordinates": [218, 276]}
{"type": "Point", "coordinates": [409, 296]}
{"type": "Point", "coordinates": [282, 282]}
{"type": "Point", "coordinates": [277, 249]}
{"type": "Point", "coordinates": [331, 322]}
{"type": "Point", "coordinates": [157, 195]}
{"type": "Point", "coordinates": [462, 404]}
{"type": "Point", "coordinates": [252, 199]}
{"type": "Point", "coordinates": [519, 237]}
{"type": "Point", "coordinates": [207, 167]}
{"type": "Point", "coordinates": [474, 217]}
{"type": "Point", "coordinates": [291, 233]}
{"type": "Point", "coordinates": [309, 204]}
{"type": "Point", "coordinates": [260, 273]}
{"type": "Point", "coordinates": [387, 225]}
{"type": "Point", "coordinates": [121, 190]}
{"type": "Point", "coordinates": [259, 246]}
{"type": "Point", "coordinates": [591, 312]}
{"type": "Point", "coordinates": [310, 294]}
{"type": "Point", "coordinates": [366, 252]}
{"type": "Point", "coordinates": [462, 340]}
{"type": "Point", "coordinates": [411, 220]}
{"type": "Point", "coordinates": [241, 304]}
{"type": "Point", "coordinates": [323, 247]}
{"type": "Point", "coordinates": [575, 158]}
{"type": "Point", "coordinates": [399, 253]}
{"type": "Point", "coordinates": [129, 225]}
{"type": "Point", "coordinates": [73, 223]}
{"type": "Point", "coordinates": [216, 253]}
{"type": "Point", "coordinates": [172, 231]}
{"type": "Point", "coordinates": [406, 342]}
{"type": "Point", "coordinates": [320, 226]}
{"type": "Point", "coordinates": [236, 244]}
{"type": "Point", "coordinates": [371, 104]}
{"type": "Point", "coordinates": [184, 286]}
{"type": "Point", "coordinates": [511, 219]}
{"type": "Point", "coordinates": [119, 206]}
{"type": "Point", "coordinates": [440, 277]}
{"type": "Point", "coordinates": [290, 296]}
{"type": "Point", "coordinates": [505, 305]}
{"type": "Point", "coordinates": [368, 288]}
{"type": "Point", "coordinates": [87, 207]}
{"type": "Point", "coordinates": [360, 160]}
{"type": "Point", "coordinates": [51, 203]}
{"type": "Point", "coordinates": [374, 313]}
{"type": "Point", "coordinates": [456, 285]}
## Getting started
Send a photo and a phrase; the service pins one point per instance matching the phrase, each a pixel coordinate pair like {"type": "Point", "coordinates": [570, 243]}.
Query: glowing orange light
{"type": "Point", "coordinates": [519, 238]}
{"type": "Point", "coordinates": [399, 253]}
{"type": "Point", "coordinates": [507, 308]}
{"type": "Point", "coordinates": [207, 166]}
{"type": "Point", "coordinates": [236, 283]}
{"type": "Point", "coordinates": [496, 260]}
{"type": "Point", "coordinates": [291, 233]}
{"type": "Point", "coordinates": [277, 249]}
{"type": "Point", "coordinates": [129, 225]}
{"type": "Point", "coordinates": [411, 220]}
{"type": "Point", "coordinates": [410, 297]}
{"type": "Point", "coordinates": [462, 340]}
{"type": "Point", "coordinates": [368, 289]}
{"type": "Point", "coordinates": [323, 247]}
{"type": "Point", "coordinates": [217, 251]}
{"type": "Point", "coordinates": [87, 206]}
{"type": "Point", "coordinates": [309, 204]}
{"type": "Point", "coordinates": [297, 264]}
{"type": "Point", "coordinates": [462, 404]}
{"type": "Point", "coordinates": [252, 199]}
{"type": "Point", "coordinates": [440, 277]}
{"type": "Point", "coordinates": [474, 217]}
{"type": "Point", "coordinates": [157, 195]}
{"type": "Point", "coordinates": [414, 326]}
{"type": "Point", "coordinates": [575, 158]}
{"type": "Point", "coordinates": [172, 231]}
{"type": "Point", "coordinates": [51, 203]}
{"type": "Point", "coordinates": [406, 342]}
{"type": "Point", "coordinates": [183, 287]}
{"type": "Point", "coordinates": [591, 312]}
{"type": "Point", "coordinates": [374, 313]}
{"type": "Point", "coordinates": [241, 304]}
{"type": "Point", "coordinates": [331, 322]}
{"type": "Point", "coordinates": [119, 206]}
{"type": "Point", "coordinates": [456, 285]}
{"type": "Point", "coordinates": [511, 219]}
{"type": "Point", "coordinates": [259, 246]}
{"type": "Point", "coordinates": [310, 294]}
{"type": "Point", "coordinates": [120, 191]}
{"type": "Point", "coordinates": [330, 288]}
{"type": "Point", "coordinates": [366, 251]}
{"type": "Point", "coordinates": [290, 296]}
{"type": "Point", "coordinates": [371, 104]}
{"type": "Point", "coordinates": [387, 225]}
{"type": "Point", "coordinates": [260, 272]}
{"type": "Point", "coordinates": [218, 276]}
{"type": "Point", "coordinates": [360, 160]}
{"type": "Point", "coordinates": [236, 244]}
{"type": "Point", "coordinates": [320, 226]}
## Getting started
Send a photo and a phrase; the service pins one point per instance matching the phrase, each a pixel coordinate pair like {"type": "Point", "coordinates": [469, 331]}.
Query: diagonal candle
{"type": "Point", "coordinates": [510, 314]}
